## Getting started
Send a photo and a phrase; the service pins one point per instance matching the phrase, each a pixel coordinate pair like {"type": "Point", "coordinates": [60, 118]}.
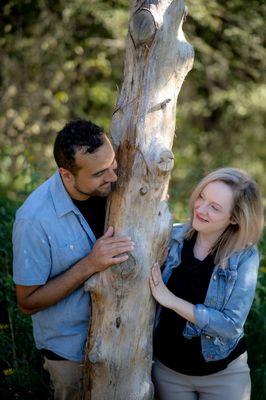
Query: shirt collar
{"type": "Point", "coordinates": [61, 199]}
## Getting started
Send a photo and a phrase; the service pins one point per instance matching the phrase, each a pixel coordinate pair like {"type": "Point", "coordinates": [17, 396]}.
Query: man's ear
{"type": "Point", "coordinates": [66, 174]}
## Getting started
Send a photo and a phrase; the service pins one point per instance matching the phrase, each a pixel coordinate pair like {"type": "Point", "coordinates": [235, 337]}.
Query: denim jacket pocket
{"type": "Point", "coordinates": [220, 288]}
{"type": "Point", "coordinates": [231, 278]}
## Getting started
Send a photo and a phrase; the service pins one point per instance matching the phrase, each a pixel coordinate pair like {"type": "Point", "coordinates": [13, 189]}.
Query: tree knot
{"type": "Point", "coordinates": [142, 27]}
{"type": "Point", "coordinates": [118, 322]}
{"type": "Point", "coordinates": [166, 161]}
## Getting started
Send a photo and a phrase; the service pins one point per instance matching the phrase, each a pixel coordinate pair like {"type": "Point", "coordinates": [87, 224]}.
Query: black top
{"type": "Point", "coordinates": [189, 281]}
{"type": "Point", "coordinates": [93, 210]}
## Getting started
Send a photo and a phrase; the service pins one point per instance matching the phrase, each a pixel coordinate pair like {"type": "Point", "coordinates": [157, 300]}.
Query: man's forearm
{"type": "Point", "coordinates": [107, 251]}
{"type": "Point", "coordinates": [56, 289]}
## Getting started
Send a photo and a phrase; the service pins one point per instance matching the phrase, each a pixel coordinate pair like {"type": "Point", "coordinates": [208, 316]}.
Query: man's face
{"type": "Point", "coordinates": [96, 172]}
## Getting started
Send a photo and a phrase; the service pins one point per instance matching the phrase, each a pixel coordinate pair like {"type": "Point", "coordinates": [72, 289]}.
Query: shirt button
{"type": "Point", "coordinates": [207, 337]}
{"type": "Point", "coordinates": [71, 247]}
{"type": "Point", "coordinates": [215, 277]}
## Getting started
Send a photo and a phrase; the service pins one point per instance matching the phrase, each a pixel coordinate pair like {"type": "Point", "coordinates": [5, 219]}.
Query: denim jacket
{"type": "Point", "coordinates": [220, 320]}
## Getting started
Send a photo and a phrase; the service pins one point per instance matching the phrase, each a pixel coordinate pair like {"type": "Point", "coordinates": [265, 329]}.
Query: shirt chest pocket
{"type": "Point", "coordinates": [69, 253]}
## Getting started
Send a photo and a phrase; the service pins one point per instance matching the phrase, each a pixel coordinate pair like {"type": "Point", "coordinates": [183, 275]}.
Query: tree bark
{"type": "Point", "coordinates": [119, 350]}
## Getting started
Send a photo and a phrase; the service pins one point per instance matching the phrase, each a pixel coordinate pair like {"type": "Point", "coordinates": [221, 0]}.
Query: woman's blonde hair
{"type": "Point", "coordinates": [247, 212]}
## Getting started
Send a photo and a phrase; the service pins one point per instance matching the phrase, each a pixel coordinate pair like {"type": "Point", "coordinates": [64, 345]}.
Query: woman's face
{"type": "Point", "coordinates": [212, 209]}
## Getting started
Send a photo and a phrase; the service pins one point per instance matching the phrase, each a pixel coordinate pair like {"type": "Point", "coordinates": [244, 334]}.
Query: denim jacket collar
{"type": "Point", "coordinates": [179, 231]}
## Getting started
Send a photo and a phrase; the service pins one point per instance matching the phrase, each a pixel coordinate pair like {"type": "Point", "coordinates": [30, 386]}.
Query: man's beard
{"type": "Point", "coordinates": [97, 192]}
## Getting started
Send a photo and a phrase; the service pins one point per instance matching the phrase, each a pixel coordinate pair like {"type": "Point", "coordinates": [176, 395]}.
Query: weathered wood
{"type": "Point", "coordinates": [119, 353]}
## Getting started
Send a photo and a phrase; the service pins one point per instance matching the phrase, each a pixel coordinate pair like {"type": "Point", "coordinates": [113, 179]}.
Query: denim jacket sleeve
{"type": "Point", "coordinates": [229, 321]}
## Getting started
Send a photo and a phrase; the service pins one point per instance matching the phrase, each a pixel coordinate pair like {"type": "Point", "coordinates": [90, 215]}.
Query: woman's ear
{"type": "Point", "coordinates": [233, 221]}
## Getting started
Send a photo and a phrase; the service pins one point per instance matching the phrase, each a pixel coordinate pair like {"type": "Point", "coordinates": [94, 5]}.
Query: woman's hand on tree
{"type": "Point", "coordinates": [159, 289]}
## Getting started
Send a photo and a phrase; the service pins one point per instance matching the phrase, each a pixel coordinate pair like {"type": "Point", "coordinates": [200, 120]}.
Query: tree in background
{"type": "Point", "coordinates": [62, 60]}
{"type": "Point", "coordinates": [222, 107]}
{"type": "Point", "coordinates": [59, 60]}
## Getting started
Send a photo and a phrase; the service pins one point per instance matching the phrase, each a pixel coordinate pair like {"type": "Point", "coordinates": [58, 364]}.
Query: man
{"type": "Point", "coordinates": [55, 249]}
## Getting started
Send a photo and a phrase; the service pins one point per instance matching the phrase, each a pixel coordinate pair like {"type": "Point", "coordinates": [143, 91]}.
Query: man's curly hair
{"type": "Point", "coordinates": [76, 135]}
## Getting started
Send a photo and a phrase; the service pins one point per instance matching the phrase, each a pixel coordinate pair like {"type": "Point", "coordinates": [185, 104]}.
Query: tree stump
{"type": "Point", "coordinates": [119, 350]}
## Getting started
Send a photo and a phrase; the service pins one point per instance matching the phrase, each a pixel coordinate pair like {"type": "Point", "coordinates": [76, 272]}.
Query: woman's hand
{"type": "Point", "coordinates": [159, 289]}
{"type": "Point", "coordinates": [166, 298]}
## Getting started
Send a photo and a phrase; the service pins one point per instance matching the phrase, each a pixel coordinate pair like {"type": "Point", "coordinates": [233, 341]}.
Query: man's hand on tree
{"type": "Point", "coordinates": [109, 250]}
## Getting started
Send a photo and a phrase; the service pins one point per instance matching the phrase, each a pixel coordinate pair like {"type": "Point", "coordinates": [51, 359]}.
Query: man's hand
{"type": "Point", "coordinates": [108, 250]}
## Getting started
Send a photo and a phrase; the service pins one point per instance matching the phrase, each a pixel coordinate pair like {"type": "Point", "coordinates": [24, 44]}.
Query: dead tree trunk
{"type": "Point", "coordinates": [119, 353]}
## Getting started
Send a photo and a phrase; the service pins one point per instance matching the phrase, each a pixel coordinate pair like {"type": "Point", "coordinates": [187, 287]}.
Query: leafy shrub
{"type": "Point", "coordinates": [255, 330]}
{"type": "Point", "coordinates": [21, 373]}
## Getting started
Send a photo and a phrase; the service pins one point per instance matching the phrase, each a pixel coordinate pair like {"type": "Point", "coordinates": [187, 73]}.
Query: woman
{"type": "Point", "coordinates": [206, 290]}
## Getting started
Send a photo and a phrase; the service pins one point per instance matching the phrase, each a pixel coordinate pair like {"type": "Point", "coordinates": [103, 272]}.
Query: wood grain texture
{"type": "Point", "coordinates": [158, 58]}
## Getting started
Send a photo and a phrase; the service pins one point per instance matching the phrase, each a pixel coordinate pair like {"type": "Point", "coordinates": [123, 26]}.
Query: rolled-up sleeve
{"type": "Point", "coordinates": [201, 315]}
{"type": "Point", "coordinates": [31, 253]}
{"type": "Point", "coordinates": [229, 322]}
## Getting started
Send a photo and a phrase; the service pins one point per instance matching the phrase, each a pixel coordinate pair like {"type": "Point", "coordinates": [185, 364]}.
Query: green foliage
{"type": "Point", "coordinates": [221, 107]}
{"type": "Point", "coordinates": [59, 60]}
{"type": "Point", "coordinates": [64, 59]}
{"type": "Point", "coordinates": [21, 373]}
{"type": "Point", "coordinates": [256, 328]}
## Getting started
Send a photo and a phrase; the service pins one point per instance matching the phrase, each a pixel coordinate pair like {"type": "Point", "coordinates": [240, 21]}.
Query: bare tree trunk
{"type": "Point", "coordinates": [119, 353]}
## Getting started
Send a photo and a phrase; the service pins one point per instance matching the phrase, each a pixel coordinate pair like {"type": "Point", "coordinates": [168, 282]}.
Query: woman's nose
{"type": "Point", "coordinates": [202, 208]}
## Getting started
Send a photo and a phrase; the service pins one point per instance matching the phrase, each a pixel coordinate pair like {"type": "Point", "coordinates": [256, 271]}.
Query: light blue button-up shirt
{"type": "Point", "coordinates": [50, 235]}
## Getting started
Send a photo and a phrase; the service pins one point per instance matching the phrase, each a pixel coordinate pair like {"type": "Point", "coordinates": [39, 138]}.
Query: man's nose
{"type": "Point", "coordinates": [111, 177]}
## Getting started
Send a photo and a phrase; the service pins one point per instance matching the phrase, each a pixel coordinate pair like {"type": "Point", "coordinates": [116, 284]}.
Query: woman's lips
{"type": "Point", "coordinates": [200, 218]}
